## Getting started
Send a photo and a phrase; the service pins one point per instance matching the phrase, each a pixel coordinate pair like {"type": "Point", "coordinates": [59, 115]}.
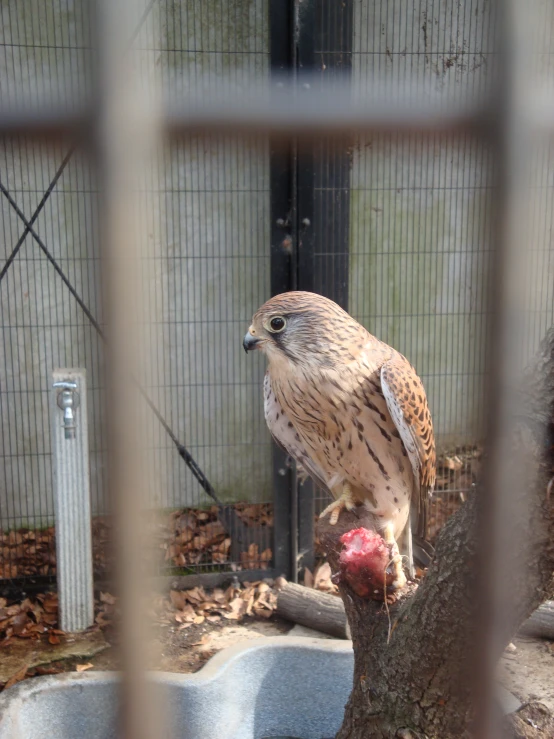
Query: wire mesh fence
{"type": "Point", "coordinates": [393, 227]}
{"type": "Point", "coordinates": [211, 228]}
{"type": "Point", "coordinates": [410, 207]}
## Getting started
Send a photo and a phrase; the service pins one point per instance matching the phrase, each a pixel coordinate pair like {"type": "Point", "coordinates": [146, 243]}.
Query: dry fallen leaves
{"type": "Point", "coordinates": [27, 552]}
{"type": "Point", "coordinates": [82, 668]}
{"type": "Point", "coordinates": [455, 473]}
{"type": "Point", "coordinates": [107, 598]}
{"type": "Point", "coordinates": [28, 619]}
{"type": "Point", "coordinates": [182, 538]}
{"type": "Point", "coordinates": [195, 536]}
{"type": "Point", "coordinates": [17, 677]}
{"type": "Point", "coordinates": [37, 618]}
{"type": "Point", "coordinates": [196, 605]}
{"type": "Point", "coordinates": [322, 579]}
{"type": "Point", "coordinates": [253, 560]}
{"type": "Point", "coordinates": [256, 599]}
{"type": "Point", "coordinates": [308, 578]}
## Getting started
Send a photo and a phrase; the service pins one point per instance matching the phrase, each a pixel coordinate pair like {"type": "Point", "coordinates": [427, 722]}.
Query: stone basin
{"type": "Point", "coordinates": [272, 687]}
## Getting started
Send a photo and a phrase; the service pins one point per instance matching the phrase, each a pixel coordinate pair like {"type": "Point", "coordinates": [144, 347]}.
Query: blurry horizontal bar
{"type": "Point", "coordinates": [327, 109]}
{"type": "Point", "coordinates": [294, 117]}
{"type": "Point", "coordinates": [45, 122]}
{"type": "Point", "coordinates": [310, 106]}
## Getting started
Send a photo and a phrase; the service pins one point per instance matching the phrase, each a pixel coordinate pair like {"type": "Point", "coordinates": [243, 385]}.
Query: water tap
{"type": "Point", "coordinates": [68, 401]}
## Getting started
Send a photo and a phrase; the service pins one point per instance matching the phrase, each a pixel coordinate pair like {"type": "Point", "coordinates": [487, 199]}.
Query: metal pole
{"type": "Point", "coordinates": [281, 268]}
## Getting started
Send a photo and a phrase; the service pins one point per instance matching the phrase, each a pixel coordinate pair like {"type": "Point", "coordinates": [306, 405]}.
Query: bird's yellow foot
{"type": "Point", "coordinates": [346, 500]}
{"type": "Point", "coordinates": [399, 576]}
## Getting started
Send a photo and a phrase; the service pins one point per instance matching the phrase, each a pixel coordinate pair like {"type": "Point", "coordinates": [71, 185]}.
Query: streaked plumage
{"type": "Point", "coordinates": [348, 408]}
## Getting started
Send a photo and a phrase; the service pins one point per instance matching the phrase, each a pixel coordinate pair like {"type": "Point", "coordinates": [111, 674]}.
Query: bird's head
{"type": "Point", "coordinates": [303, 327]}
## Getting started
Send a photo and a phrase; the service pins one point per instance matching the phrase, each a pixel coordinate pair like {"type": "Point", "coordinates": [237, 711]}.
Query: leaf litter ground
{"type": "Point", "coordinates": [189, 626]}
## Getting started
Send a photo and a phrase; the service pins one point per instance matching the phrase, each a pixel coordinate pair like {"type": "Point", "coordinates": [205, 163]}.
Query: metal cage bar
{"type": "Point", "coordinates": [506, 362]}
{"type": "Point", "coordinates": [125, 135]}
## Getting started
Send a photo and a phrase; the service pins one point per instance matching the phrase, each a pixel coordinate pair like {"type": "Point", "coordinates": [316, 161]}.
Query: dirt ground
{"type": "Point", "coordinates": [528, 672]}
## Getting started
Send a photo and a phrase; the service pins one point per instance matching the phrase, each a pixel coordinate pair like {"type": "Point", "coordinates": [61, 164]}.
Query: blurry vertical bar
{"type": "Point", "coordinates": [72, 499]}
{"type": "Point", "coordinates": [126, 138]}
{"type": "Point", "coordinates": [501, 488]}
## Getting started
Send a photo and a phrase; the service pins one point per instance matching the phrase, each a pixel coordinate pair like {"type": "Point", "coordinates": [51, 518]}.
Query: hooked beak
{"type": "Point", "coordinates": [250, 342]}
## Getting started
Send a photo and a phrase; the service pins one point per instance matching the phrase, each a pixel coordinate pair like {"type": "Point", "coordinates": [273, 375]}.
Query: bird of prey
{"type": "Point", "coordinates": [351, 411]}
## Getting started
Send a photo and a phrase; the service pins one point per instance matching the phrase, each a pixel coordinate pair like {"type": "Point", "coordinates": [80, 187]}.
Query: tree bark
{"type": "Point", "coordinates": [413, 666]}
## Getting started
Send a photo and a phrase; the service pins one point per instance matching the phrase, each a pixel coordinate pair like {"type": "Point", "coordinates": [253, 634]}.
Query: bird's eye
{"type": "Point", "coordinates": [277, 324]}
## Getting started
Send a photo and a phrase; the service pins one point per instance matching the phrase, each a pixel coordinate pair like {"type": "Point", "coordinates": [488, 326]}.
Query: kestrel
{"type": "Point", "coordinates": [350, 410]}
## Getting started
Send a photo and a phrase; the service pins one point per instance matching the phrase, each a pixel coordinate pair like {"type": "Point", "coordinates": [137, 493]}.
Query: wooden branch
{"type": "Point", "coordinates": [541, 623]}
{"type": "Point", "coordinates": [314, 609]}
{"type": "Point", "coordinates": [325, 612]}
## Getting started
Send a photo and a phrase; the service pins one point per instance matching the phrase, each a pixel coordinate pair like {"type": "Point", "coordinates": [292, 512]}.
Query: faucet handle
{"type": "Point", "coordinates": [65, 385]}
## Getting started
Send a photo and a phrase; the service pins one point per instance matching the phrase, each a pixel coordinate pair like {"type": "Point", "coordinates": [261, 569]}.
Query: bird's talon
{"type": "Point", "coordinates": [399, 583]}
{"type": "Point", "coordinates": [337, 506]}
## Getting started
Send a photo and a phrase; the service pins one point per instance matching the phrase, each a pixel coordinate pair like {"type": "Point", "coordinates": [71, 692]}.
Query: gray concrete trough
{"type": "Point", "coordinates": [272, 687]}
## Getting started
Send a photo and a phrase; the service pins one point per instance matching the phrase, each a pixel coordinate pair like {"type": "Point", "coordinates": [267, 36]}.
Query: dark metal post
{"type": "Point", "coordinates": [280, 22]}
{"type": "Point", "coordinates": [304, 59]}
{"type": "Point", "coordinates": [332, 160]}
{"type": "Point", "coordinates": [323, 39]}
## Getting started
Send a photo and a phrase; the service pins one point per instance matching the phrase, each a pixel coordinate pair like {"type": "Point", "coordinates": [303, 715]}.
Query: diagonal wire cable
{"type": "Point", "coordinates": [30, 230]}
{"type": "Point", "coordinates": [57, 176]}
{"type": "Point", "coordinates": [28, 224]}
